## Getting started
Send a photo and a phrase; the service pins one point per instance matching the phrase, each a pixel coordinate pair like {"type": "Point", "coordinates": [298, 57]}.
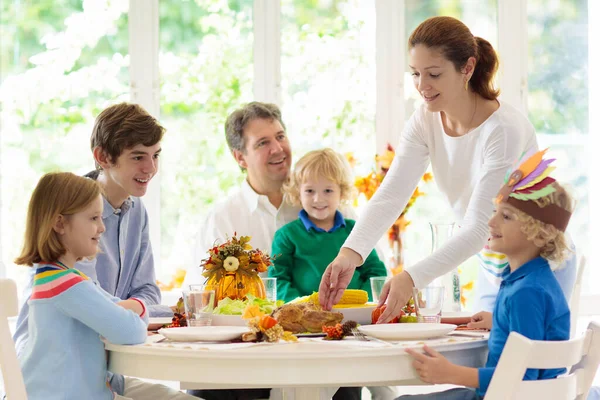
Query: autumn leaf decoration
{"type": "Point", "coordinates": [235, 255]}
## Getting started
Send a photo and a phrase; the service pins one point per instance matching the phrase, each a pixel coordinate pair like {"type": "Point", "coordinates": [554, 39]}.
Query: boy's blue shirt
{"type": "Point", "coordinates": [124, 268]}
{"type": "Point", "coordinates": [338, 222]}
{"type": "Point", "coordinates": [532, 303]}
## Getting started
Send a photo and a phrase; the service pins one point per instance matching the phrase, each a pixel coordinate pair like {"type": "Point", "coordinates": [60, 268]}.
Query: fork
{"type": "Point", "coordinates": [361, 336]}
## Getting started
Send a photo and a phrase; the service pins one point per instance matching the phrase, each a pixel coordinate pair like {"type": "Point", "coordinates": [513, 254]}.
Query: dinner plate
{"type": "Point", "coordinates": [203, 333]}
{"type": "Point", "coordinates": [406, 331]}
{"type": "Point", "coordinates": [157, 323]}
{"type": "Point", "coordinates": [361, 315]}
{"type": "Point", "coordinates": [456, 318]}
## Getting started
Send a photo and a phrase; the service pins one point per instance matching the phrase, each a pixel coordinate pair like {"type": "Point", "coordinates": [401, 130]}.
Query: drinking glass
{"type": "Point", "coordinates": [202, 287]}
{"type": "Point", "coordinates": [377, 283]}
{"type": "Point", "coordinates": [199, 305]}
{"type": "Point", "coordinates": [270, 288]}
{"type": "Point", "coordinates": [428, 303]}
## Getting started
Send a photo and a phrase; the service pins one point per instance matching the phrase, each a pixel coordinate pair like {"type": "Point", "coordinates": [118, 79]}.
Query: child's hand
{"type": "Point", "coordinates": [432, 367]}
{"type": "Point", "coordinates": [481, 320]}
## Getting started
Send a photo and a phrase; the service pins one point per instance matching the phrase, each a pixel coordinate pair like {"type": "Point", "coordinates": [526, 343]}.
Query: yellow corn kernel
{"type": "Point", "coordinates": [350, 296]}
{"type": "Point", "coordinates": [353, 305]}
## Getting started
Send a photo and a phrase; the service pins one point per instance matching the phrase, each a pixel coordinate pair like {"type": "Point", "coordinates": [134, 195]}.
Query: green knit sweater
{"type": "Point", "coordinates": [302, 256]}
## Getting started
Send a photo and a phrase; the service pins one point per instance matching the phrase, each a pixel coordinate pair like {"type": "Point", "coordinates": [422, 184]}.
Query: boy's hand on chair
{"type": "Point", "coordinates": [481, 320]}
{"type": "Point", "coordinates": [432, 367]}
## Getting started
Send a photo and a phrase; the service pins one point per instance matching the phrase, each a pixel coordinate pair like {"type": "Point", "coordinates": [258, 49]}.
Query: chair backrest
{"type": "Point", "coordinates": [576, 295]}
{"type": "Point", "coordinates": [520, 353]}
{"type": "Point", "coordinates": [9, 364]}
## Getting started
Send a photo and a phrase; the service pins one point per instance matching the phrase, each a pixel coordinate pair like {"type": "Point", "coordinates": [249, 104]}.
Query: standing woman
{"type": "Point", "coordinates": [470, 138]}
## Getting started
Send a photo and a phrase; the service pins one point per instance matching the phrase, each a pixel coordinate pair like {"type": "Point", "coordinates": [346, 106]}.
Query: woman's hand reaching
{"type": "Point", "coordinates": [397, 291]}
{"type": "Point", "coordinates": [337, 277]}
{"type": "Point", "coordinates": [481, 320]}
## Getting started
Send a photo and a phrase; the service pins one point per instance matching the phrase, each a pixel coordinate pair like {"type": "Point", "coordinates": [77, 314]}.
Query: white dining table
{"type": "Point", "coordinates": [304, 367]}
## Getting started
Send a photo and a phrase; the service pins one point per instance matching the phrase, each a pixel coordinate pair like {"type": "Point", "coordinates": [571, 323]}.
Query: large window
{"type": "Point", "coordinates": [52, 55]}
{"type": "Point", "coordinates": [328, 75]}
{"type": "Point", "coordinates": [206, 72]}
{"type": "Point", "coordinates": [557, 99]}
{"type": "Point", "coordinates": [61, 62]}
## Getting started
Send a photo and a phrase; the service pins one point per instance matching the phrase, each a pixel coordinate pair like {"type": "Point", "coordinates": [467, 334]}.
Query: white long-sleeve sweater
{"type": "Point", "coordinates": [469, 170]}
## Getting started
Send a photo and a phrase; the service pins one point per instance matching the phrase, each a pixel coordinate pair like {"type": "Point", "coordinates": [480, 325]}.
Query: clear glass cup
{"type": "Point", "coordinates": [270, 288]}
{"type": "Point", "coordinates": [199, 306]}
{"type": "Point", "coordinates": [377, 283]}
{"type": "Point", "coordinates": [202, 287]}
{"type": "Point", "coordinates": [428, 303]}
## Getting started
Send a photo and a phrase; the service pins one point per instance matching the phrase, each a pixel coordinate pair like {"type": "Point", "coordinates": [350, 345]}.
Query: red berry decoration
{"type": "Point", "coordinates": [334, 332]}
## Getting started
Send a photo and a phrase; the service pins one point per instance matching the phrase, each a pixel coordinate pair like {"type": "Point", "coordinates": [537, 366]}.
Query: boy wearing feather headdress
{"type": "Point", "coordinates": [531, 214]}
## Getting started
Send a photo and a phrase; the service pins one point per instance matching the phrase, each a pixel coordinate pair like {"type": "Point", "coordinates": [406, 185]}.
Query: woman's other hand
{"type": "Point", "coordinates": [481, 320]}
{"type": "Point", "coordinates": [337, 277]}
{"type": "Point", "coordinates": [397, 291]}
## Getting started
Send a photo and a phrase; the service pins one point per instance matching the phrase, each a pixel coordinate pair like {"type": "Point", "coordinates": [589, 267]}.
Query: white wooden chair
{"type": "Point", "coordinates": [576, 295]}
{"type": "Point", "coordinates": [520, 353]}
{"type": "Point", "coordinates": [9, 364]}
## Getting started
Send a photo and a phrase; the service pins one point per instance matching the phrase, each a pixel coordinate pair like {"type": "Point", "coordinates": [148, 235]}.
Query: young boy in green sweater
{"type": "Point", "coordinates": [304, 247]}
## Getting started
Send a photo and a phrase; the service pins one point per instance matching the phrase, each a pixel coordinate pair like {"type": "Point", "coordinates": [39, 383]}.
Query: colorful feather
{"type": "Point", "coordinates": [532, 180]}
{"type": "Point", "coordinates": [531, 163]}
{"type": "Point", "coordinates": [540, 169]}
{"type": "Point", "coordinates": [535, 181]}
{"type": "Point", "coordinates": [534, 195]}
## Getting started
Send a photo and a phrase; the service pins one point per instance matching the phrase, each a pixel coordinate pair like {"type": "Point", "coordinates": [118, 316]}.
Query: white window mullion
{"type": "Point", "coordinates": [512, 49]}
{"type": "Point", "coordinates": [594, 121]}
{"type": "Point", "coordinates": [390, 61]}
{"type": "Point", "coordinates": [145, 90]}
{"type": "Point", "coordinates": [267, 51]}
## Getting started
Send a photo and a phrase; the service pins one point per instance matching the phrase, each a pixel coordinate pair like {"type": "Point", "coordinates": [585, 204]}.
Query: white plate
{"type": "Point", "coordinates": [155, 323]}
{"type": "Point", "coordinates": [361, 315]}
{"type": "Point", "coordinates": [228, 320]}
{"type": "Point", "coordinates": [203, 333]}
{"type": "Point", "coordinates": [406, 331]}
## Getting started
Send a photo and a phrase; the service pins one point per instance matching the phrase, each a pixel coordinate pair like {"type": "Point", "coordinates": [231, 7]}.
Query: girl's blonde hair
{"type": "Point", "coordinates": [57, 193]}
{"type": "Point", "coordinates": [324, 163]}
{"type": "Point", "coordinates": [553, 244]}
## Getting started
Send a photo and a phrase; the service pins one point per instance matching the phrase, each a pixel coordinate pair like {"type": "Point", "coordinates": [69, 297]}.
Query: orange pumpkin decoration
{"type": "Point", "coordinates": [232, 269]}
{"type": "Point", "coordinates": [237, 285]}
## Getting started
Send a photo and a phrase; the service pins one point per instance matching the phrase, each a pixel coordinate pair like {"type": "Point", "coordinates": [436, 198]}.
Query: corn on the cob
{"type": "Point", "coordinates": [350, 296]}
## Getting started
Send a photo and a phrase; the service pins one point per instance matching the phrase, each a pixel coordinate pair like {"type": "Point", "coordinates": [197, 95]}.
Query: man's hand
{"type": "Point", "coordinates": [397, 291]}
{"type": "Point", "coordinates": [337, 277]}
{"type": "Point", "coordinates": [481, 320]}
{"type": "Point", "coordinates": [432, 367]}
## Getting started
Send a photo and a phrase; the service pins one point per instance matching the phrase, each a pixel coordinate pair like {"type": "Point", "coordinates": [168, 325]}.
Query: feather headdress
{"type": "Point", "coordinates": [531, 180]}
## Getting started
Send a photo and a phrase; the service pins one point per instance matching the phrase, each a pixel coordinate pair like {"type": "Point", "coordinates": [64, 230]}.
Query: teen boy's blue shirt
{"type": "Point", "coordinates": [124, 268]}
{"type": "Point", "coordinates": [532, 303]}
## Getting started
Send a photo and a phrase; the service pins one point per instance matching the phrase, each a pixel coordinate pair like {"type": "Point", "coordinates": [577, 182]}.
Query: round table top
{"type": "Point", "coordinates": [309, 362]}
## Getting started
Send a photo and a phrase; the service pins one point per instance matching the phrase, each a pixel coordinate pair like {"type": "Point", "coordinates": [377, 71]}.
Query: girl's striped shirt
{"type": "Point", "coordinates": [51, 279]}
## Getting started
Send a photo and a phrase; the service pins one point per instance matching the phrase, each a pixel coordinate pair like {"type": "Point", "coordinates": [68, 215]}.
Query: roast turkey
{"type": "Point", "coordinates": [305, 317]}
